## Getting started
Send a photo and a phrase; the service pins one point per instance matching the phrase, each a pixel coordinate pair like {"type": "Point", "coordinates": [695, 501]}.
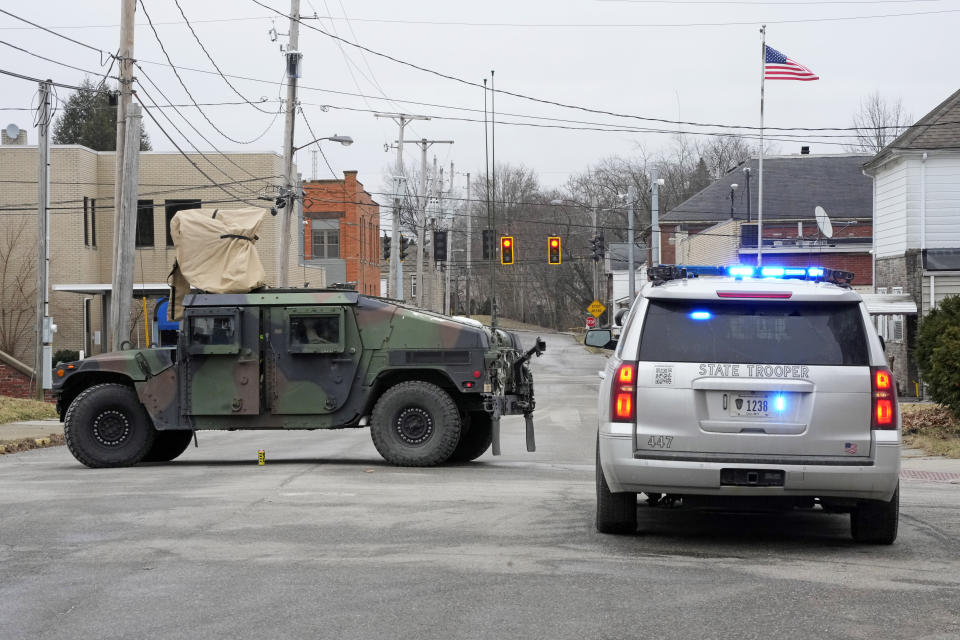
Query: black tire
{"type": "Point", "coordinates": [475, 439]}
{"type": "Point", "coordinates": [106, 426]}
{"type": "Point", "coordinates": [415, 424]}
{"type": "Point", "coordinates": [168, 445]}
{"type": "Point", "coordinates": [616, 512]}
{"type": "Point", "coordinates": [875, 522]}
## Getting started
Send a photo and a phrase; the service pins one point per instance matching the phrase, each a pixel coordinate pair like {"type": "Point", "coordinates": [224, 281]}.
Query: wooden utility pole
{"type": "Point", "coordinates": [42, 364]}
{"type": "Point", "coordinates": [424, 144]}
{"type": "Point", "coordinates": [469, 245]}
{"type": "Point", "coordinates": [395, 281]}
{"type": "Point", "coordinates": [124, 259]}
{"type": "Point", "coordinates": [128, 10]}
{"type": "Point", "coordinates": [292, 61]}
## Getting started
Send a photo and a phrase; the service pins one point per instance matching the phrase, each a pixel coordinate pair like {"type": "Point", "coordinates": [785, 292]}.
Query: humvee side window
{"type": "Point", "coordinates": [318, 330]}
{"type": "Point", "coordinates": [214, 334]}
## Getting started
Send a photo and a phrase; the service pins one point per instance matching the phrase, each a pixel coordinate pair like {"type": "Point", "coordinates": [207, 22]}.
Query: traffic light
{"type": "Point", "coordinates": [404, 247]}
{"type": "Point", "coordinates": [553, 250]}
{"type": "Point", "coordinates": [506, 250]}
{"type": "Point", "coordinates": [597, 245]}
{"type": "Point", "coordinates": [488, 244]}
{"type": "Point", "coordinates": [385, 244]}
{"type": "Point", "coordinates": [440, 246]}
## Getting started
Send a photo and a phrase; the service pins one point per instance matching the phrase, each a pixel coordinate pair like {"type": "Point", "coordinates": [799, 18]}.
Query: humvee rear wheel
{"type": "Point", "coordinates": [475, 440]}
{"type": "Point", "coordinates": [415, 424]}
{"type": "Point", "coordinates": [168, 445]}
{"type": "Point", "coordinates": [106, 426]}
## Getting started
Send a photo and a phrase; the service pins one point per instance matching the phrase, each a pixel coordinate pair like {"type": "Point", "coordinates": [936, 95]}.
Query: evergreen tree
{"type": "Point", "coordinates": [88, 119]}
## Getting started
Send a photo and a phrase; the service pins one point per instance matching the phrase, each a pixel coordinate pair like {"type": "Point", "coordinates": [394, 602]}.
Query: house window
{"type": "Point", "coordinates": [896, 290]}
{"type": "Point", "coordinates": [172, 207]}
{"type": "Point", "coordinates": [86, 222]}
{"type": "Point", "coordinates": [144, 223]}
{"type": "Point", "coordinates": [324, 238]}
{"type": "Point", "coordinates": [413, 286]}
{"type": "Point", "coordinates": [325, 243]}
{"type": "Point", "coordinates": [896, 328]}
{"type": "Point", "coordinates": [89, 222]}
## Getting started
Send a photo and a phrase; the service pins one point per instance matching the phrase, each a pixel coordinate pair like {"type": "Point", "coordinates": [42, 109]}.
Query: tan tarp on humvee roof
{"type": "Point", "coordinates": [215, 253]}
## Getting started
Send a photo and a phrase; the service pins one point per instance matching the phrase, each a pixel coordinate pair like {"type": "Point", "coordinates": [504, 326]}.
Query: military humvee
{"type": "Point", "coordinates": [431, 388]}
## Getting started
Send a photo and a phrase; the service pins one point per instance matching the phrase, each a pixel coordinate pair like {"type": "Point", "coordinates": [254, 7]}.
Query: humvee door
{"type": "Point", "coordinates": [220, 361]}
{"type": "Point", "coordinates": [312, 356]}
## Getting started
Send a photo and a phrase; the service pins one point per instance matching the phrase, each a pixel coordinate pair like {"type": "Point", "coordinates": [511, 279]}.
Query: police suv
{"type": "Point", "coordinates": [740, 388]}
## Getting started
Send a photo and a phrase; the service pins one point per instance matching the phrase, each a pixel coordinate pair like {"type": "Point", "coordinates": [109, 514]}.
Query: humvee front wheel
{"type": "Point", "coordinates": [415, 424]}
{"type": "Point", "coordinates": [168, 445]}
{"type": "Point", "coordinates": [475, 440]}
{"type": "Point", "coordinates": [106, 426]}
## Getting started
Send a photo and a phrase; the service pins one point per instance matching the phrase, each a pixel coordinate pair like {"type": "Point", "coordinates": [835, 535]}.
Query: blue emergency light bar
{"type": "Point", "coordinates": [664, 272]}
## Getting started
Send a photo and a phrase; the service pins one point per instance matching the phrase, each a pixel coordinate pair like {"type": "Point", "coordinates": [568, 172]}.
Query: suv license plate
{"type": "Point", "coordinates": [754, 405]}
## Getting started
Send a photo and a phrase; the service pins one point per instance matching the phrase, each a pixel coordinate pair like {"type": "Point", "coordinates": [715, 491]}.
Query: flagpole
{"type": "Point", "coordinates": [763, 63]}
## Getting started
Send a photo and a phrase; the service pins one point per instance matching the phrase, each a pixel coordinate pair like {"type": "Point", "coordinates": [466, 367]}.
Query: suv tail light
{"type": "Point", "coordinates": [884, 405]}
{"type": "Point", "coordinates": [623, 394]}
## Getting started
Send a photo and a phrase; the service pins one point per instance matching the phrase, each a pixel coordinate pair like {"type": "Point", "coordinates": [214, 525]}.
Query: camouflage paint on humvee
{"type": "Point", "coordinates": [431, 388]}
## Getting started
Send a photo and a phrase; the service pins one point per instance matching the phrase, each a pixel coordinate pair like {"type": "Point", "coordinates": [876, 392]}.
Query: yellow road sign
{"type": "Point", "coordinates": [596, 308]}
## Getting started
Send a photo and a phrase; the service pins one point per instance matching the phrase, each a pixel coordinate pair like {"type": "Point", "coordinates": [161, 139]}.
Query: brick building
{"type": "Point", "coordinates": [81, 231]}
{"type": "Point", "coordinates": [713, 228]}
{"type": "Point", "coordinates": [341, 232]}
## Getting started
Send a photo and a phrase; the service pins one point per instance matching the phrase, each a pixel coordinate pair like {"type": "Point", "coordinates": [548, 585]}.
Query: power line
{"type": "Point", "coordinates": [522, 96]}
{"type": "Point", "coordinates": [640, 25]}
{"type": "Point", "coordinates": [139, 24]}
{"type": "Point", "coordinates": [59, 35]}
{"type": "Point", "coordinates": [62, 64]}
{"type": "Point", "coordinates": [317, 142]}
{"type": "Point", "coordinates": [183, 84]}
{"type": "Point", "coordinates": [213, 62]}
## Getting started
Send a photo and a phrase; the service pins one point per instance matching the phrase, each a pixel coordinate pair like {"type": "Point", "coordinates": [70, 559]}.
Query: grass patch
{"type": "Point", "coordinates": [25, 444]}
{"type": "Point", "coordinates": [932, 428]}
{"type": "Point", "coordinates": [16, 409]}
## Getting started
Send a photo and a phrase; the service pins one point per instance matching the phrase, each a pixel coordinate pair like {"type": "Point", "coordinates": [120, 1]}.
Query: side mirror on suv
{"type": "Point", "coordinates": [618, 319]}
{"type": "Point", "coordinates": [600, 338]}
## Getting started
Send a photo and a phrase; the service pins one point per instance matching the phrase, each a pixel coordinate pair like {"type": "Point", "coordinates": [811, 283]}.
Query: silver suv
{"type": "Point", "coordinates": [729, 390]}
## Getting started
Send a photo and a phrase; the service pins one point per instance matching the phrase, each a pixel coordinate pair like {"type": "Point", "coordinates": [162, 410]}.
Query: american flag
{"type": "Point", "coordinates": [779, 67]}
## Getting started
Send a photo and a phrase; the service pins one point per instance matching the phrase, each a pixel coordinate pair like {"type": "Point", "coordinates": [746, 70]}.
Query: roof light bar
{"type": "Point", "coordinates": [666, 272]}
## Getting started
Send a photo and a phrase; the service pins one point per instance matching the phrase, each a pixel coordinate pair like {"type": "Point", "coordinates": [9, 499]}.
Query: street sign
{"type": "Point", "coordinates": [596, 308]}
{"type": "Point", "coordinates": [591, 322]}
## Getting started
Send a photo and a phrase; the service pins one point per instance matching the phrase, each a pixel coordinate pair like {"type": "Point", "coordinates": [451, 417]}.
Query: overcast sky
{"type": "Point", "coordinates": [601, 54]}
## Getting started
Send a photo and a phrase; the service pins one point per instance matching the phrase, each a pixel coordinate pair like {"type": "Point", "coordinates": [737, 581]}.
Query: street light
{"type": "Point", "coordinates": [344, 140]}
{"type": "Point", "coordinates": [733, 189]}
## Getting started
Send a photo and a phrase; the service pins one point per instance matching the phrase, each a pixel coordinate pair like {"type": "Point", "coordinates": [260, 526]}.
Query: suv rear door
{"type": "Point", "coordinates": [753, 378]}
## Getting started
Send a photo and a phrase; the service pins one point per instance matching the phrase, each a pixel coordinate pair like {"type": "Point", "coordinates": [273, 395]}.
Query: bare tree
{"type": "Point", "coordinates": [17, 290]}
{"type": "Point", "coordinates": [877, 123]}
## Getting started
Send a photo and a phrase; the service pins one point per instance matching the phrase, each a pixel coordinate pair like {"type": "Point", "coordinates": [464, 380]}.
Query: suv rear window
{"type": "Point", "coordinates": [756, 332]}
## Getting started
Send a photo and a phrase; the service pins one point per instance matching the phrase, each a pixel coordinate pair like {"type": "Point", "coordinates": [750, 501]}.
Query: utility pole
{"type": "Point", "coordinates": [128, 10]}
{"type": "Point", "coordinates": [292, 61]}
{"type": "Point", "coordinates": [655, 255]}
{"type": "Point", "coordinates": [42, 362]}
{"type": "Point", "coordinates": [469, 244]}
{"type": "Point", "coordinates": [124, 259]}
{"type": "Point", "coordinates": [424, 144]}
{"type": "Point", "coordinates": [631, 275]}
{"type": "Point", "coordinates": [596, 205]}
{"type": "Point", "coordinates": [395, 279]}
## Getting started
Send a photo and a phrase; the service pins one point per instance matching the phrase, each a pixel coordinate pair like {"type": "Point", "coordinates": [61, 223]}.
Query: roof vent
{"type": "Point", "coordinates": [804, 151]}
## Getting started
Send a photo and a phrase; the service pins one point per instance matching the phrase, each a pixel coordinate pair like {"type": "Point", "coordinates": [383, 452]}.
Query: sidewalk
{"type": "Point", "coordinates": [30, 429]}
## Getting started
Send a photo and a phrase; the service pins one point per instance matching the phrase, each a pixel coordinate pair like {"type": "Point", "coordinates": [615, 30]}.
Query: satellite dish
{"type": "Point", "coordinates": [12, 131]}
{"type": "Point", "coordinates": [823, 222]}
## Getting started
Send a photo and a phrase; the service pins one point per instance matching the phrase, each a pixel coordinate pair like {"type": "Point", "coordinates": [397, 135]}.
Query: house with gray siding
{"type": "Point", "coordinates": [916, 200]}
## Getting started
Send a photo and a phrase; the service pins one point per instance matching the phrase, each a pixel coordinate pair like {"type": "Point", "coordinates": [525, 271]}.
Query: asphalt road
{"type": "Point", "coordinates": [327, 541]}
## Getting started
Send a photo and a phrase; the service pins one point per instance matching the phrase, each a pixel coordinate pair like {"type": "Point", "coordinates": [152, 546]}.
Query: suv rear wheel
{"type": "Point", "coordinates": [106, 426]}
{"type": "Point", "coordinates": [616, 512]}
{"type": "Point", "coordinates": [415, 424]}
{"type": "Point", "coordinates": [875, 522]}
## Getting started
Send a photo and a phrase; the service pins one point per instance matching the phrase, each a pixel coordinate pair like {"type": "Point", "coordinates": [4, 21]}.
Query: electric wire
{"type": "Point", "coordinates": [176, 72]}
{"type": "Point", "coordinates": [213, 62]}
{"type": "Point", "coordinates": [313, 135]}
{"type": "Point", "coordinates": [59, 35]}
